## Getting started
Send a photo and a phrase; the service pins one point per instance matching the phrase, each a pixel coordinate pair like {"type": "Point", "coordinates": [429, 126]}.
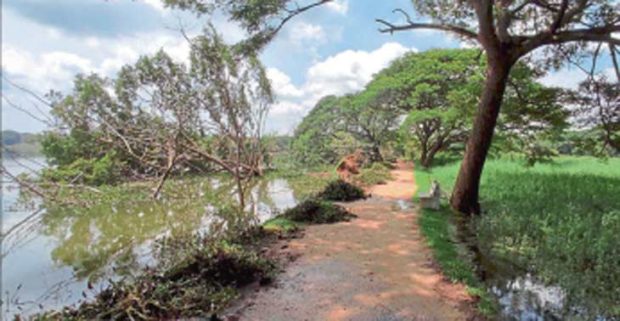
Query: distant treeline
{"type": "Point", "coordinates": [21, 144]}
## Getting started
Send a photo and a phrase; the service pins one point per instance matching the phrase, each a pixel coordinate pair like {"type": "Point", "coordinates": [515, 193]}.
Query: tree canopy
{"type": "Point", "coordinates": [427, 99]}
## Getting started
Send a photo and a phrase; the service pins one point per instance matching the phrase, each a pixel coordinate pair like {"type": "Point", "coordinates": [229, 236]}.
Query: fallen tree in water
{"type": "Point", "coordinates": [194, 276]}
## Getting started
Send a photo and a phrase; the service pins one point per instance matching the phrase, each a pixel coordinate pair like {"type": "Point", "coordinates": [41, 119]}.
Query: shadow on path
{"type": "Point", "coordinates": [376, 268]}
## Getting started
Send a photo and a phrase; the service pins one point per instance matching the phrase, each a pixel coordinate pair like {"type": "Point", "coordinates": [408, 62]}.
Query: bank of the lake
{"type": "Point", "coordinates": [547, 238]}
{"type": "Point", "coordinates": [55, 256]}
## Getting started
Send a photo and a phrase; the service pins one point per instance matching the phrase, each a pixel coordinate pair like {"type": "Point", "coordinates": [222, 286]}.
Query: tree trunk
{"type": "Point", "coordinates": [424, 155]}
{"type": "Point", "coordinates": [465, 194]}
{"type": "Point", "coordinates": [376, 154]}
{"type": "Point", "coordinates": [429, 156]}
{"type": "Point", "coordinates": [425, 160]}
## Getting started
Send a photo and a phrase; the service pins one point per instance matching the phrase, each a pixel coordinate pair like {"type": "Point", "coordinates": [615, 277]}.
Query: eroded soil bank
{"type": "Point", "coordinates": [376, 267]}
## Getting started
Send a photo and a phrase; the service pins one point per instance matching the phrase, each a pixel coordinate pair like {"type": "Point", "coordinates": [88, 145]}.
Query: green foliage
{"type": "Point", "coordinates": [61, 149]}
{"type": "Point", "coordinates": [104, 170]}
{"type": "Point", "coordinates": [377, 173]}
{"type": "Point", "coordinates": [338, 126]}
{"type": "Point", "coordinates": [313, 135]}
{"type": "Point", "coordinates": [199, 117]}
{"type": "Point", "coordinates": [438, 91]}
{"type": "Point", "coordinates": [558, 220]}
{"type": "Point", "coordinates": [280, 224]}
{"type": "Point", "coordinates": [317, 211]}
{"type": "Point", "coordinates": [586, 142]}
{"type": "Point", "coordinates": [341, 191]}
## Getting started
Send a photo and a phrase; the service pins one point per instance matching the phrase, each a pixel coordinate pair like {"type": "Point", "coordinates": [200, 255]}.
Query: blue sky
{"type": "Point", "coordinates": [334, 49]}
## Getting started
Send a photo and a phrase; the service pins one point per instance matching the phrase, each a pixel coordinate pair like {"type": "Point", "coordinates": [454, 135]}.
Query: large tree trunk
{"type": "Point", "coordinates": [465, 194]}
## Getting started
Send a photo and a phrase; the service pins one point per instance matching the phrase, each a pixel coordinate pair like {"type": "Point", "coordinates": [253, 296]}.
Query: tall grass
{"type": "Point", "coordinates": [560, 221]}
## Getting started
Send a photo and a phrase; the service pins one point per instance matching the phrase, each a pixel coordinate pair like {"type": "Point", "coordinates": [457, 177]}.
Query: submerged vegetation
{"type": "Point", "coordinates": [194, 277]}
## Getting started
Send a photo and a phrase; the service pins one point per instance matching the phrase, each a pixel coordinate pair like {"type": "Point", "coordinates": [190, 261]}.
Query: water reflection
{"type": "Point", "coordinates": [50, 260]}
{"type": "Point", "coordinates": [523, 297]}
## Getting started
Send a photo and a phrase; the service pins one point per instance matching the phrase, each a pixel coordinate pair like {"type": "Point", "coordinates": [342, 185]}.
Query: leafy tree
{"type": "Point", "coordinates": [438, 89]}
{"type": "Point", "coordinates": [313, 136]}
{"type": "Point", "coordinates": [532, 117]}
{"type": "Point", "coordinates": [338, 126]}
{"type": "Point", "coordinates": [371, 119]}
{"type": "Point", "coordinates": [507, 31]}
{"type": "Point", "coordinates": [598, 108]}
{"type": "Point", "coordinates": [164, 116]}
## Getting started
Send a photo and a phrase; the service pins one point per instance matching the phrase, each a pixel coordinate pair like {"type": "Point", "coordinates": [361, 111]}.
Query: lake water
{"type": "Point", "coordinates": [50, 257]}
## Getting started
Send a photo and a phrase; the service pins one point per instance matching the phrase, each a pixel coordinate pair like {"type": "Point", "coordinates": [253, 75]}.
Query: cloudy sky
{"type": "Point", "coordinates": [334, 49]}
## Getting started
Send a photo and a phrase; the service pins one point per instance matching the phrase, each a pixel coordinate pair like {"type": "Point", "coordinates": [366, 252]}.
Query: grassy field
{"type": "Point", "coordinates": [560, 221]}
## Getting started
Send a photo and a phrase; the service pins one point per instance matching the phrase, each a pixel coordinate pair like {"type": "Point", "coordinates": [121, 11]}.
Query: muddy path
{"type": "Point", "coordinates": [376, 268]}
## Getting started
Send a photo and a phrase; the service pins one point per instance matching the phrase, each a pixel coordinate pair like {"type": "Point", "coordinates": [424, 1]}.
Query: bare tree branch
{"type": "Point", "coordinates": [391, 28]}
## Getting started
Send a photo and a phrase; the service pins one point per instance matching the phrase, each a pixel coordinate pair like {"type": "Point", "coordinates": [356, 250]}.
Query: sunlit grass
{"type": "Point", "coordinates": [560, 221]}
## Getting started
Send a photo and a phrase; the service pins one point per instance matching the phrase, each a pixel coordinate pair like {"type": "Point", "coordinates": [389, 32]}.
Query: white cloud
{"type": "Point", "coordinates": [43, 71]}
{"type": "Point", "coordinates": [282, 85]}
{"type": "Point", "coordinates": [56, 69]}
{"type": "Point", "coordinates": [345, 72]}
{"type": "Point", "coordinates": [303, 31]}
{"type": "Point", "coordinates": [92, 42]}
{"type": "Point", "coordinates": [564, 78]}
{"type": "Point", "coordinates": [350, 70]}
{"type": "Point", "coordinates": [339, 6]}
{"type": "Point", "coordinates": [156, 4]}
{"type": "Point", "coordinates": [286, 107]}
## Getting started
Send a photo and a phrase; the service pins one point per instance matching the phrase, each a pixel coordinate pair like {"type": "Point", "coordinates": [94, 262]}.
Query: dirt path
{"type": "Point", "coordinates": [374, 268]}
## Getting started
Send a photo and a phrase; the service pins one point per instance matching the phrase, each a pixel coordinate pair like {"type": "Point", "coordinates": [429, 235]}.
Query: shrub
{"type": "Point", "coordinates": [318, 212]}
{"type": "Point", "coordinates": [341, 191]}
{"type": "Point", "coordinates": [377, 173]}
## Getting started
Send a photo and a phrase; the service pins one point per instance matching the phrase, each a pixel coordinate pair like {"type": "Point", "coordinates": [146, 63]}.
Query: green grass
{"type": "Point", "coordinates": [560, 221]}
{"type": "Point", "coordinates": [281, 224]}
{"type": "Point", "coordinates": [439, 229]}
